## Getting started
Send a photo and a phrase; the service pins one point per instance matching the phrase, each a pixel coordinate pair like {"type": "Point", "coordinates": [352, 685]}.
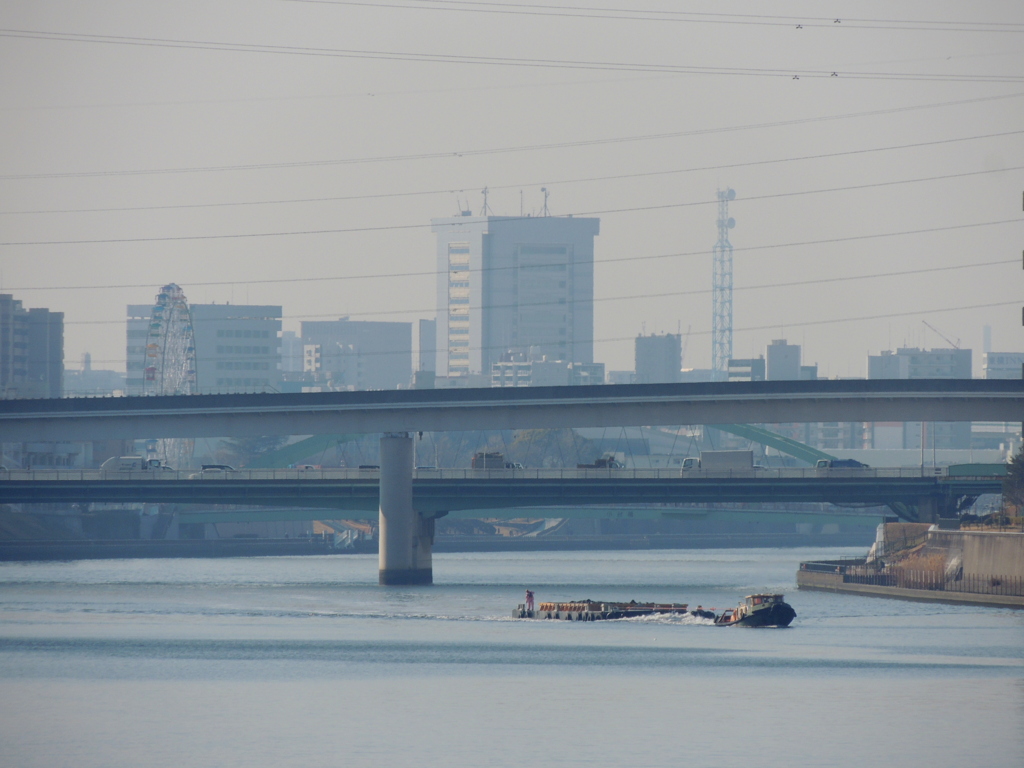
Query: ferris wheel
{"type": "Point", "coordinates": [169, 367]}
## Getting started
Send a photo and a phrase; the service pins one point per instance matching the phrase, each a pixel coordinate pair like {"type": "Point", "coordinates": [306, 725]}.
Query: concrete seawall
{"type": "Point", "coordinates": [833, 582]}
{"type": "Point", "coordinates": [976, 565]}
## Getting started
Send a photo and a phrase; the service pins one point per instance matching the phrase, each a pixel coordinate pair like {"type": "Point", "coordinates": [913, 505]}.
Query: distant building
{"type": "Point", "coordinates": [87, 382]}
{"type": "Point", "coordinates": [691, 375]}
{"type": "Point", "coordinates": [621, 377]}
{"type": "Point", "coordinates": [914, 363]}
{"type": "Point", "coordinates": [362, 354]}
{"type": "Point", "coordinates": [236, 347]}
{"type": "Point", "coordinates": [1003, 365]}
{"type": "Point", "coordinates": [513, 284]}
{"type": "Point", "coordinates": [782, 361]}
{"type": "Point", "coordinates": [658, 359]}
{"type": "Point", "coordinates": [31, 350]}
{"type": "Point", "coordinates": [747, 369]}
{"type": "Point", "coordinates": [428, 346]}
{"type": "Point", "coordinates": [291, 352]}
{"type": "Point", "coordinates": [517, 370]}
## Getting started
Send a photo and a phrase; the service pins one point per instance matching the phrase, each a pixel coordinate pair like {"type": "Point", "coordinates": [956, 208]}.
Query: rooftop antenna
{"type": "Point", "coordinates": [486, 209]}
{"type": "Point", "coordinates": [545, 211]}
{"type": "Point", "coordinates": [721, 290]}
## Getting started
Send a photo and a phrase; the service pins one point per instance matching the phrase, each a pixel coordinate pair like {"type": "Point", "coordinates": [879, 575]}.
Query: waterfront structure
{"type": "Point", "coordinates": [236, 347]}
{"type": "Point", "coordinates": [915, 363]}
{"type": "Point", "coordinates": [362, 354]}
{"type": "Point", "coordinates": [658, 359]}
{"type": "Point", "coordinates": [513, 284]}
{"type": "Point", "coordinates": [31, 350]}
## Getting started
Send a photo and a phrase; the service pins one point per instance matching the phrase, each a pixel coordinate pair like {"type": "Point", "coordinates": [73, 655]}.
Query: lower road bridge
{"type": "Point", "coordinates": [439, 491]}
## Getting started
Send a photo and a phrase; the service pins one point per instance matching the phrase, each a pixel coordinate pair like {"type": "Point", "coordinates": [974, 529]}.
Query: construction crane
{"type": "Point", "coordinates": [944, 337]}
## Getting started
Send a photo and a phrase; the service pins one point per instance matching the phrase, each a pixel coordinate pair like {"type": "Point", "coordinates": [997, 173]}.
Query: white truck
{"type": "Point", "coordinates": [132, 464]}
{"type": "Point", "coordinates": [719, 460]}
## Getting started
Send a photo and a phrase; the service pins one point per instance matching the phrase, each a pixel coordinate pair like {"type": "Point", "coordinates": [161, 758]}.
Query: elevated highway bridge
{"type": "Point", "coordinates": [406, 531]}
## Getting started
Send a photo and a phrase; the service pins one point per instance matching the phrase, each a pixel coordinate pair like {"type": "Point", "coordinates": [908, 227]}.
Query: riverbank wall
{"type": "Point", "coordinates": [967, 567]}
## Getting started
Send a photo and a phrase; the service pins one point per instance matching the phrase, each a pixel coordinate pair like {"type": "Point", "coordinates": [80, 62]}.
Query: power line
{"type": "Point", "coordinates": [614, 177]}
{"type": "Point", "coordinates": [605, 299]}
{"type": "Point", "coordinates": [635, 14]}
{"type": "Point", "coordinates": [505, 150]}
{"type": "Point", "coordinates": [500, 61]}
{"type": "Point", "coordinates": [399, 227]}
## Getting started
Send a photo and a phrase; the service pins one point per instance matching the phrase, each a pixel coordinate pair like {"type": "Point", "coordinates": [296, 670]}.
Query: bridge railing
{"type": "Point", "coordinates": [373, 473]}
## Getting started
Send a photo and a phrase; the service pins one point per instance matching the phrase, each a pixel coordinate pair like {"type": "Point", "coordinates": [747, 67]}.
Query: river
{"type": "Point", "coordinates": [305, 661]}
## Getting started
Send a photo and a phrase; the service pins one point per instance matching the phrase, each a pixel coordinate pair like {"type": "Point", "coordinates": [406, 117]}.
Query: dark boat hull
{"type": "Point", "coordinates": [777, 615]}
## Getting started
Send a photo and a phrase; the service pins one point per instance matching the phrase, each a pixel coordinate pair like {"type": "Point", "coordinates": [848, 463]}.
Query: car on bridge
{"type": "Point", "coordinates": [212, 470]}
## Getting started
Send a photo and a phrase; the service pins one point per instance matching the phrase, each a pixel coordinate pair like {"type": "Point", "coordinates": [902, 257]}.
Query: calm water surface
{"type": "Point", "coordinates": [307, 662]}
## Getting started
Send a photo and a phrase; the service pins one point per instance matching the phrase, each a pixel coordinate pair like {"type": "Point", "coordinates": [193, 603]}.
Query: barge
{"type": "Point", "coordinates": [589, 610]}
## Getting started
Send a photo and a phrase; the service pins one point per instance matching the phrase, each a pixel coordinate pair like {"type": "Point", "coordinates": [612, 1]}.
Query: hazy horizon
{"type": "Point", "coordinates": [293, 153]}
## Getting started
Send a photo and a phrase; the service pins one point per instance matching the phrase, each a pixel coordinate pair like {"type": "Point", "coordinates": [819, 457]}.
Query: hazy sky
{"type": "Point", "coordinates": [293, 153]}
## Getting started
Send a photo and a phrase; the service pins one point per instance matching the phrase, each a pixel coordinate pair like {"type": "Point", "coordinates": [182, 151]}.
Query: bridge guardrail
{"type": "Point", "coordinates": [809, 473]}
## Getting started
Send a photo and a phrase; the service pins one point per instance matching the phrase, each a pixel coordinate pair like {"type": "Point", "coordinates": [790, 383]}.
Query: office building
{"type": "Point", "coordinates": [517, 370]}
{"type": "Point", "coordinates": [31, 350]}
{"type": "Point", "coordinates": [362, 354]}
{"type": "Point", "coordinates": [782, 361]}
{"type": "Point", "coordinates": [658, 359]}
{"type": "Point", "coordinates": [747, 369]}
{"type": "Point", "coordinates": [914, 363]}
{"type": "Point", "coordinates": [1003, 365]}
{"type": "Point", "coordinates": [513, 284]}
{"type": "Point", "coordinates": [237, 348]}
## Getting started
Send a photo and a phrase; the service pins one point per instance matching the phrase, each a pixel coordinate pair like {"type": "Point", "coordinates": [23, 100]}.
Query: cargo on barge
{"type": "Point", "coordinates": [589, 610]}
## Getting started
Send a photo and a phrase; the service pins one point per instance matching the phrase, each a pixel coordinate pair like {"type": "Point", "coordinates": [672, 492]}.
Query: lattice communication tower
{"type": "Point", "coordinates": [170, 365]}
{"type": "Point", "coordinates": [721, 291]}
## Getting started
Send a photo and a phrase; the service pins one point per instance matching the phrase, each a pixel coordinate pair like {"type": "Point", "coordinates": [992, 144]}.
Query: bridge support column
{"type": "Point", "coordinates": [928, 509]}
{"type": "Point", "coordinates": [406, 538]}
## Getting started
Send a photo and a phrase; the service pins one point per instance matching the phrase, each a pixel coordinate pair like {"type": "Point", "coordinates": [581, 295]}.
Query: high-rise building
{"type": "Point", "coordinates": [362, 354]}
{"type": "Point", "coordinates": [31, 350]}
{"type": "Point", "coordinates": [658, 359]}
{"type": "Point", "coordinates": [513, 284]}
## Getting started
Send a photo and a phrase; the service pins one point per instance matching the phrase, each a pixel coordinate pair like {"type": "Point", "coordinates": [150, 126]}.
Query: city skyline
{"type": "Point", "coordinates": [866, 203]}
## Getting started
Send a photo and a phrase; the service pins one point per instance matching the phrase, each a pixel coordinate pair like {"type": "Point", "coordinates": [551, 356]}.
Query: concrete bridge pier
{"type": "Point", "coordinates": [406, 538]}
{"type": "Point", "coordinates": [928, 509]}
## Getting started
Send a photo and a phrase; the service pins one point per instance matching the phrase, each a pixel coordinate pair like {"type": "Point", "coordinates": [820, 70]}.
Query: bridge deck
{"type": "Point", "coordinates": [444, 490]}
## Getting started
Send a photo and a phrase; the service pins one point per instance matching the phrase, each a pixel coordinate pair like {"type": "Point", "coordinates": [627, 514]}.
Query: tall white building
{"type": "Point", "coordinates": [513, 284]}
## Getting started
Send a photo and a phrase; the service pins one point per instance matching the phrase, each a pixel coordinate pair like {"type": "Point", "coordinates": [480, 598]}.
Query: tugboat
{"type": "Point", "coordinates": [758, 611]}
